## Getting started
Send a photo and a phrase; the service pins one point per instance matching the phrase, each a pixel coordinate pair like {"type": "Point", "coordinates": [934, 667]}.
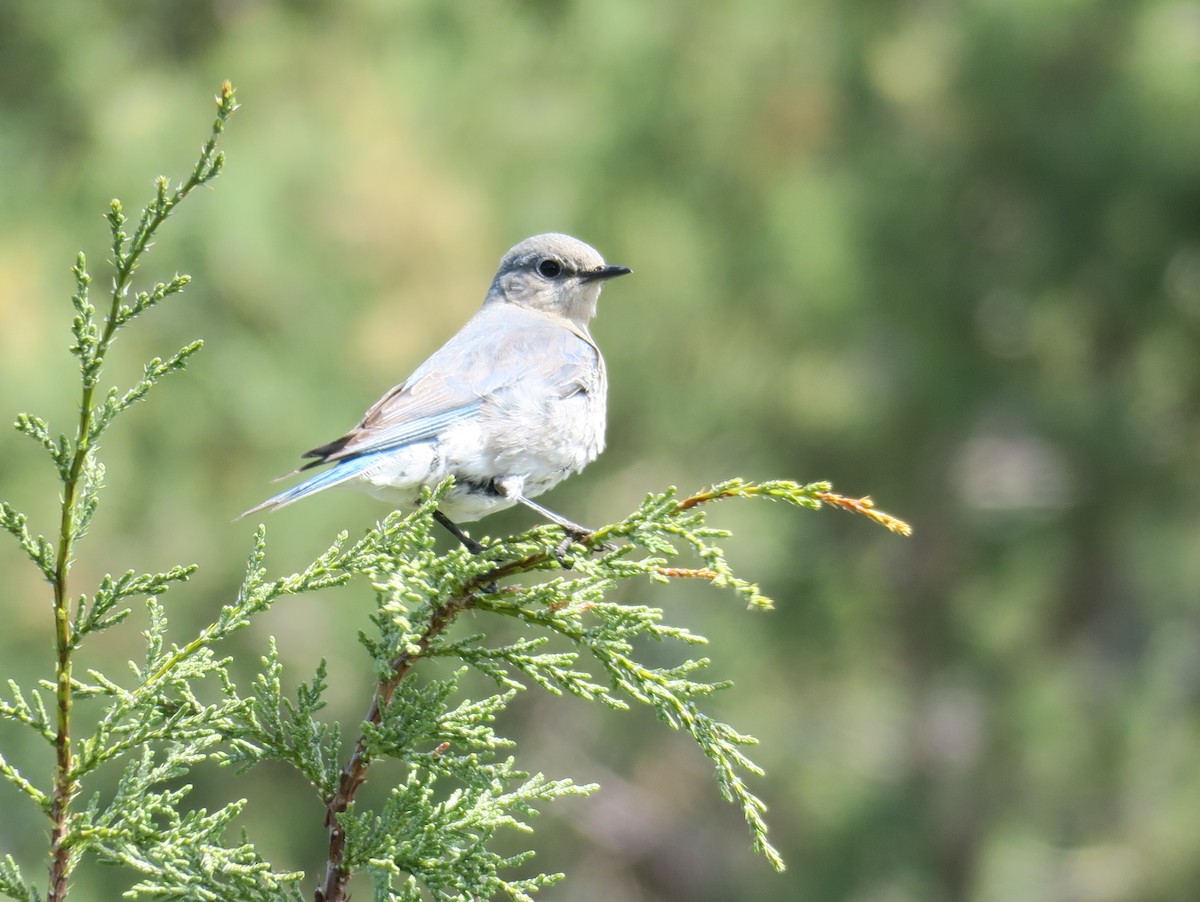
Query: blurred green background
{"type": "Point", "coordinates": [947, 254]}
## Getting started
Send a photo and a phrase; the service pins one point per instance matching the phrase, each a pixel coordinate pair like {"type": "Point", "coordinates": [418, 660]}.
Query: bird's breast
{"type": "Point", "coordinates": [539, 435]}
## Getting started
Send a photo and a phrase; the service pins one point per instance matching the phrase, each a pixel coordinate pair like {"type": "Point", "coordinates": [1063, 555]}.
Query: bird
{"type": "Point", "coordinates": [510, 406]}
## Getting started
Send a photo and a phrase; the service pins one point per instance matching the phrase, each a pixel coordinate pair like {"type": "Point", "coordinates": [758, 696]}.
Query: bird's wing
{"type": "Point", "coordinates": [500, 347]}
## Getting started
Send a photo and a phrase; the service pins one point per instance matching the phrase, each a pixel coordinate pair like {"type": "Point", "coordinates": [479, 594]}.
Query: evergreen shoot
{"type": "Point", "coordinates": [460, 783]}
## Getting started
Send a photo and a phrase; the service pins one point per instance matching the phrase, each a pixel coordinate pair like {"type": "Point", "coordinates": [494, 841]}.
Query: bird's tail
{"type": "Point", "coordinates": [342, 471]}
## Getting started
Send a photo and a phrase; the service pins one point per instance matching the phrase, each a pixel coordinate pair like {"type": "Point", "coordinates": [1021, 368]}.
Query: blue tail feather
{"type": "Point", "coordinates": [342, 471]}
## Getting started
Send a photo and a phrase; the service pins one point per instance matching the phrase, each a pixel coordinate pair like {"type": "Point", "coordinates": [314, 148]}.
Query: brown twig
{"type": "Point", "coordinates": [354, 774]}
{"type": "Point", "coordinates": [866, 507]}
{"type": "Point", "coordinates": [686, 573]}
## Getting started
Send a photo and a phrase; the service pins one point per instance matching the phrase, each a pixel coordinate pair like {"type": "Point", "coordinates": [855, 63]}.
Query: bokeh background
{"type": "Point", "coordinates": [947, 254]}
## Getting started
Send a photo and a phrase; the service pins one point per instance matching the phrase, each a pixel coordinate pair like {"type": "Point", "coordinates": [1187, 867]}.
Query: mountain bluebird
{"type": "Point", "coordinates": [510, 406]}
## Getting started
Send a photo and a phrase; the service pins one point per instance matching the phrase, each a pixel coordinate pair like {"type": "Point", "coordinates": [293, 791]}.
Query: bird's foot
{"type": "Point", "coordinates": [561, 549]}
{"type": "Point", "coordinates": [571, 538]}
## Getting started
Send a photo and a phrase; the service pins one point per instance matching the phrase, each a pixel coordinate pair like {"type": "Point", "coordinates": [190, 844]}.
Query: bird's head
{"type": "Point", "coordinates": [556, 274]}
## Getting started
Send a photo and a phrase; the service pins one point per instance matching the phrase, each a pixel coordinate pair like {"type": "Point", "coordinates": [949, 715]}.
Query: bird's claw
{"type": "Point", "coordinates": [560, 551]}
{"type": "Point", "coordinates": [572, 538]}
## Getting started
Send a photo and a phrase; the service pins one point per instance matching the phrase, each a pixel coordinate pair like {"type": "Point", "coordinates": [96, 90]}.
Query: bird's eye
{"type": "Point", "coordinates": [551, 269]}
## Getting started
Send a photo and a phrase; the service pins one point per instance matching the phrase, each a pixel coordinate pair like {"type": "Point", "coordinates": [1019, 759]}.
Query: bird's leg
{"type": "Point", "coordinates": [570, 526]}
{"type": "Point", "coordinates": [470, 544]}
{"type": "Point", "coordinates": [510, 489]}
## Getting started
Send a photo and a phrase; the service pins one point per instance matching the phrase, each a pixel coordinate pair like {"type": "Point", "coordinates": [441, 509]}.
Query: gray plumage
{"type": "Point", "coordinates": [510, 406]}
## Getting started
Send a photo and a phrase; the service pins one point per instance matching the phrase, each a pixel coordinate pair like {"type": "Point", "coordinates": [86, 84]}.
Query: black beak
{"type": "Point", "coordinates": [604, 273]}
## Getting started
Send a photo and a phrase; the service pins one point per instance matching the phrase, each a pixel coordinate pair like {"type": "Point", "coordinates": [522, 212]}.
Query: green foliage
{"type": "Point", "coordinates": [426, 835]}
{"type": "Point", "coordinates": [37, 547]}
{"type": "Point", "coordinates": [179, 707]}
{"type": "Point", "coordinates": [13, 885]}
{"type": "Point", "coordinates": [153, 721]}
{"type": "Point", "coordinates": [101, 612]}
{"type": "Point", "coordinates": [179, 853]}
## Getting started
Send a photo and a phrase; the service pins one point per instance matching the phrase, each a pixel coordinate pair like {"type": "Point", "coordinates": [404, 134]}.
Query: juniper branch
{"type": "Point", "coordinates": [81, 475]}
{"type": "Point", "coordinates": [422, 594]}
{"type": "Point", "coordinates": [354, 774]}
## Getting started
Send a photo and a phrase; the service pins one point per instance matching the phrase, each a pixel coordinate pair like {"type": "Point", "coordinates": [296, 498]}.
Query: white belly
{"type": "Point", "coordinates": [536, 441]}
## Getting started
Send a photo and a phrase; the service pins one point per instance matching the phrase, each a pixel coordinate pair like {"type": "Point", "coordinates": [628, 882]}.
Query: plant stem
{"type": "Point", "coordinates": [65, 785]}
{"type": "Point", "coordinates": [354, 774]}
{"type": "Point", "coordinates": [65, 782]}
